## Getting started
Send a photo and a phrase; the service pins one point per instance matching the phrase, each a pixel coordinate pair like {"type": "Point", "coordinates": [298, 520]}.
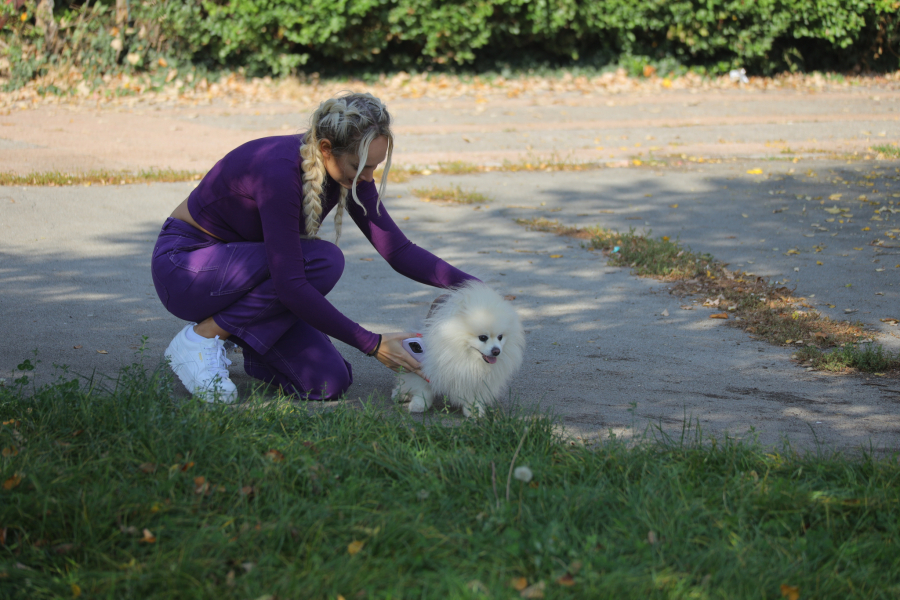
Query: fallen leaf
{"type": "Point", "coordinates": [791, 592]}
{"type": "Point", "coordinates": [76, 590]}
{"type": "Point", "coordinates": [187, 466]}
{"type": "Point", "coordinates": [890, 321]}
{"type": "Point", "coordinates": [367, 259]}
{"type": "Point", "coordinates": [201, 486]}
{"type": "Point", "coordinates": [719, 316]}
{"type": "Point", "coordinates": [13, 481]}
{"type": "Point", "coordinates": [509, 298]}
{"type": "Point", "coordinates": [834, 210]}
{"type": "Point", "coordinates": [518, 583]}
{"type": "Point", "coordinates": [247, 490]}
{"type": "Point", "coordinates": [78, 347]}
{"type": "Point", "coordinates": [274, 455]}
{"type": "Point", "coordinates": [11, 451]}
{"type": "Point", "coordinates": [566, 580]}
{"type": "Point", "coordinates": [2, 536]}
{"type": "Point", "coordinates": [534, 591]}
{"type": "Point", "coordinates": [665, 312]}
{"type": "Point", "coordinates": [556, 256]}
{"type": "Point", "coordinates": [835, 197]}
{"type": "Point", "coordinates": [673, 205]}
{"type": "Point", "coordinates": [147, 467]}
{"type": "Point", "coordinates": [755, 172]}
{"type": "Point", "coordinates": [354, 547]}
{"type": "Point", "coordinates": [744, 215]}
{"type": "Point", "coordinates": [102, 352]}
{"type": "Point", "coordinates": [651, 536]}
{"type": "Point", "coordinates": [148, 538]}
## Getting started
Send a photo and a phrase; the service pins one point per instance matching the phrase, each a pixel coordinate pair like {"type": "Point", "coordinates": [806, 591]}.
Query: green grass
{"type": "Point", "coordinates": [121, 491]}
{"type": "Point", "coordinates": [647, 256]}
{"type": "Point", "coordinates": [453, 194]}
{"type": "Point", "coordinates": [866, 356]}
{"type": "Point", "coordinates": [888, 150]}
{"type": "Point", "coordinates": [102, 177]}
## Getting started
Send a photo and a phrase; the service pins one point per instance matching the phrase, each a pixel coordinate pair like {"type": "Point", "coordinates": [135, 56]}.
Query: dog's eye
{"type": "Point", "coordinates": [483, 338]}
{"type": "Point", "coordinates": [499, 337]}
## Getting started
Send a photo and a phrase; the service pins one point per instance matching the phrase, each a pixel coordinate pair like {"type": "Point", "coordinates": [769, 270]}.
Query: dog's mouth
{"type": "Point", "coordinates": [489, 359]}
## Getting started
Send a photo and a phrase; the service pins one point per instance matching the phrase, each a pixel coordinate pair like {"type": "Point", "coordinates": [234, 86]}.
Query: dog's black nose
{"type": "Point", "coordinates": [495, 351]}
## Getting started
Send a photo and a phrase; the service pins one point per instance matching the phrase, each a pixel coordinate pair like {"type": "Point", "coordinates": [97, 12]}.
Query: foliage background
{"type": "Point", "coordinates": [335, 37]}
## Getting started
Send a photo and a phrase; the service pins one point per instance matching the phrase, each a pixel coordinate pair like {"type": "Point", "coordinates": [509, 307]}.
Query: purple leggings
{"type": "Point", "coordinates": [198, 276]}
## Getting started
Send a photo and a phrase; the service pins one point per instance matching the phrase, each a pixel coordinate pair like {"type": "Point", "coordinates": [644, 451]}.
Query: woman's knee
{"type": "Point", "coordinates": [324, 265]}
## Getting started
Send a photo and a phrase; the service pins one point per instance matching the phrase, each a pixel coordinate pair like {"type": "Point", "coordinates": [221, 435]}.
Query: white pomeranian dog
{"type": "Point", "coordinates": [473, 343]}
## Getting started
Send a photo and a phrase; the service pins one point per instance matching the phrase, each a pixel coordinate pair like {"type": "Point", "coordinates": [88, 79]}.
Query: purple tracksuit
{"type": "Point", "coordinates": [262, 281]}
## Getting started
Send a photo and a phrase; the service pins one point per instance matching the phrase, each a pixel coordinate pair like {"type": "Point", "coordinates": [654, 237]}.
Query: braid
{"type": "Point", "coordinates": [313, 168]}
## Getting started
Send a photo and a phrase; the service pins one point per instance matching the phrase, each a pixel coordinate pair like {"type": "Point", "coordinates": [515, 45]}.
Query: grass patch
{"type": "Point", "coordinates": [888, 150]}
{"type": "Point", "coordinates": [761, 308]}
{"type": "Point", "coordinates": [554, 162]}
{"type": "Point", "coordinates": [867, 356]}
{"type": "Point", "coordinates": [118, 491]}
{"type": "Point", "coordinates": [454, 194]}
{"type": "Point", "coordinates": [102, 177]}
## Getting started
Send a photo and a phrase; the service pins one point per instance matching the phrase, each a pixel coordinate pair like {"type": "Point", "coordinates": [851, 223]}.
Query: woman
{"type": "Point", "coordinates": [240, 257]}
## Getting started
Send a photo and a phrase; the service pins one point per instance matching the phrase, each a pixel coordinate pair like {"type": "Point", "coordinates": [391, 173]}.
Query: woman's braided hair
{"type": "Point", "coordinates": [350, 122]}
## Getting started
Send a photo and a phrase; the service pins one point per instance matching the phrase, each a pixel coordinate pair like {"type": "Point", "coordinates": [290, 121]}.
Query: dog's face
{"type": "Point", "coordinates": [486, 332]}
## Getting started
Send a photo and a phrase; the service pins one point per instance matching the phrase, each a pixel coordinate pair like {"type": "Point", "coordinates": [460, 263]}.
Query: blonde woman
{"type": "Point", "coordinates": [240, 259]}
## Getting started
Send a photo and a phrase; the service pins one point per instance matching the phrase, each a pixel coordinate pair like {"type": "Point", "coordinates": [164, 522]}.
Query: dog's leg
{"type": "Point", "coordinates": [419, 392]}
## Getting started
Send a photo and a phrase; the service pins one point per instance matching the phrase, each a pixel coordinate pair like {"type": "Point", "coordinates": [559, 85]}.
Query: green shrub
{"type": "Point", "coordinates": [281, 36]}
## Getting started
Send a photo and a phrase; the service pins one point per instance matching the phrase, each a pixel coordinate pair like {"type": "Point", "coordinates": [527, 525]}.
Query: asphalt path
{"type": "Point", "coordinates": [608, 352]}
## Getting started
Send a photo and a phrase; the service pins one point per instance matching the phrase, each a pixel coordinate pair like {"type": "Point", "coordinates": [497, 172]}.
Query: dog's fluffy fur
{"type": "Point", "coordinates": [473, 343]}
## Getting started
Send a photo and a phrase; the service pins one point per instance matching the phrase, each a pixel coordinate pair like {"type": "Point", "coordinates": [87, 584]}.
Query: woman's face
{"type": "Point", "coordinates": [343, 168]}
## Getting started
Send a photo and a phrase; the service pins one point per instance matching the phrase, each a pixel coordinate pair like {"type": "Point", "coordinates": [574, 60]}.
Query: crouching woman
{"type": "Point", "coordinates": [240, 260]}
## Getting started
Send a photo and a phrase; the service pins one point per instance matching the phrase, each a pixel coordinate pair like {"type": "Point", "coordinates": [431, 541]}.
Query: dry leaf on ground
{"type": "Point", "coordinates": [791, 592]}
{"type": "Point", "coordinates": [534, 591]}
{"type": "Point", "coordinates": [274, 455]}
{"type": "Point", "coordinates": [148, 538]}
{"type": "Point", "coordinates": [719, 316]}
{"type": "Point", "coordinates": [518, 583]}
{"type": "Point", "coordinates": [12, 482]}
{"type": "Point", "coordinates": [354, 547]}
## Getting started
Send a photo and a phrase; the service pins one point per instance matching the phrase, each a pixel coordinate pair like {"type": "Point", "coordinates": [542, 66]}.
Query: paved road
{"type": "Point", "coordinates": [601, 354]}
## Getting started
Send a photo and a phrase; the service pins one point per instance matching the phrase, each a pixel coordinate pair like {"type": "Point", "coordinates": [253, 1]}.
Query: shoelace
{"type": "Point", "coordinates": [216, 361]}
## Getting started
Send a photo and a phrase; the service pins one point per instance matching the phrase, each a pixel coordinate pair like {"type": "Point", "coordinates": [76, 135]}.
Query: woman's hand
{"type": "Point", "coordinates": [394, 356]}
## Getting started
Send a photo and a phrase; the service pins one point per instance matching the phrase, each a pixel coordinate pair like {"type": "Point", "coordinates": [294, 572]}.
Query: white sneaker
{"type": "Point", "coordinates": [202, 367]}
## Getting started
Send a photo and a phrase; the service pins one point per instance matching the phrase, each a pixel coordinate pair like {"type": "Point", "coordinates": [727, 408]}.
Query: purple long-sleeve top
{"type": "Point", "coordinates": [255, 194]}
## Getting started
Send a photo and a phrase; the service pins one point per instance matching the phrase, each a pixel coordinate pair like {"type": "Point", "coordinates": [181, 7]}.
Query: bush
{"type": "Point", "coordinates": [280, 36]}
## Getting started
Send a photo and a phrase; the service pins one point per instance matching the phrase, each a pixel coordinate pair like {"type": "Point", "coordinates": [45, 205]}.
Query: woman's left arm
{"type": "Point", "coordinates": [404, 257]}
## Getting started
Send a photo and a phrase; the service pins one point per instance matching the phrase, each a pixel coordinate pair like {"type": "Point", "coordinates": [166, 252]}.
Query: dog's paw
{"type": "Point", "coordinates": [400, 395]}
{"type": "Point", "coordinates": [418, 405]}
{"type": "Point", "coordinates": [475, 409]}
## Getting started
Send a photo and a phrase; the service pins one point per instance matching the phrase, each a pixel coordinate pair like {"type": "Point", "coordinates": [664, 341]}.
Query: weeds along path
{"type": "Point", "coordinates": [610, 353]}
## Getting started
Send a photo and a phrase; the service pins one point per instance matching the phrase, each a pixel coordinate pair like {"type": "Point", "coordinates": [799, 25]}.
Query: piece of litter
{"type": "Point", "coordinates": [738, 76]}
